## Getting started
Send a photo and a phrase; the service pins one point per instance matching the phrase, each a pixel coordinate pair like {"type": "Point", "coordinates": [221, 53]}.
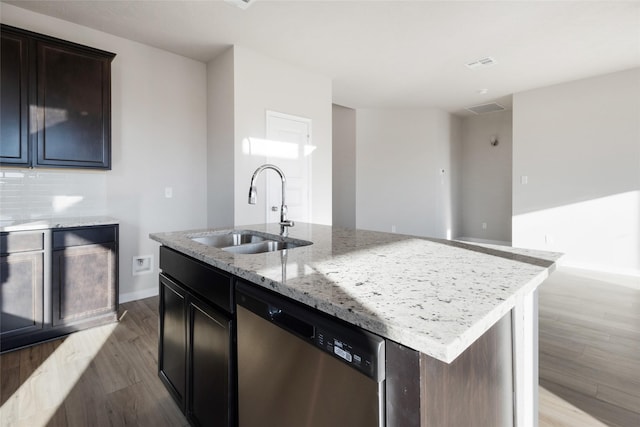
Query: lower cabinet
{"type": "Point", "coordinates": [55, 282]}
{"type": "Point", "coordinates": [208, 340]}
{"type": "Point", "coordinates": [22, 261]}
{"type": "Point", "coordinates": [197, 339]}
{"type": "Point", "coordinates": [84, 274]}
{"type": "Point", "coordinates": [172, 349]}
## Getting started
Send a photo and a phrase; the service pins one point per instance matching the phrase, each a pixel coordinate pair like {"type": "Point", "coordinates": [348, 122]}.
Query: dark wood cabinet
{"type": "Point", "coordinates": [195, 360]}
{"type": "Point", "coordinates": [84, 281]}
{"type": "Point", "coordinates": [56, 282]}
{"type": "Point", "coordinates": [74, 107]}
{"type": "Point", "coordinates": [208, 368]}
{"type": "Point", "coordinates": [14, 108]}
{"type": "Point", "coordinates": [22, 262]}
{"type": "Point", "coordinates": [172, 347]}
{"type": "Point", "coordinates": [68, 87]}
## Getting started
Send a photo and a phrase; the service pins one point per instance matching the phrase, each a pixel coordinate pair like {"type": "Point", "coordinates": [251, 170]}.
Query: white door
{"type": "Point", "coordinates": [293, 135]}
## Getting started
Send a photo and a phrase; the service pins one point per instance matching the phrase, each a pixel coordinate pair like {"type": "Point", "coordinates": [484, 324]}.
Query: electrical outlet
{"type": "Point", "coordinates": [142, 264]}
{"type": "Point", "coordinates": [484, 225]}
{"type": "Point", "coordinates": [168, 192]}
{"type": "Point", "coordinates": [393, 228]}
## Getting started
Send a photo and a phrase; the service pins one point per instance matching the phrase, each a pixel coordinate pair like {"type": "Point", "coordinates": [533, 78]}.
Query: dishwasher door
{"type": "Point", "coordinates": [298, 368]}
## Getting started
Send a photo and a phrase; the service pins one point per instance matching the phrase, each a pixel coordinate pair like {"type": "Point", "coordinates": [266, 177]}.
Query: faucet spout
{"type": "Point", "coordinates": [253, 196]}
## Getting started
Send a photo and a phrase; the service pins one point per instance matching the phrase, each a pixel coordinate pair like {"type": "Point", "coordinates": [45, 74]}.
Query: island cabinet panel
{"type": "Point", "coordinates": [172, 348]}
{"type": "Point", "coordinates": [22, 284]}
{"type": "Point", "coordinates": [209, 365]}
{"type": "Point", "coordinates": [474, 389]}
{"type": "Point", "coordinates": [56, 102]}
{"type": "Point", "coordinates": [402, 386]}
{"type": "Point", "coordinates": [196, 347]}
{"type": "Point", "coordinates": [14, 108]}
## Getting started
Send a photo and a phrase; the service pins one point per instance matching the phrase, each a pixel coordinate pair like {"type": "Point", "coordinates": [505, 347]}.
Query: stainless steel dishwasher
{"type": "Point", "coordinates": [300, 368]}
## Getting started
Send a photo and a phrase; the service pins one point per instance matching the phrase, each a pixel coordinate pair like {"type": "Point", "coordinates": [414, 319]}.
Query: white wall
{"type": "Point", "coordinates": [344, 167]}
{"type": "Point", "coordinates": [406, 171]}
{"type": "Point", "coordinates": [220, 140]}
{"type": "Point", "coordinates": [262, 84]}
{"type": "Point", "coordinates": [486, 177]}
{"type": "Point", "coordinates": [579, 145]}
{"type": "Point", "coordinates": [158, 140]}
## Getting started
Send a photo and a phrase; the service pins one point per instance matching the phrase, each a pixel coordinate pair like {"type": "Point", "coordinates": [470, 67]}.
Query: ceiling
{"type": "Point", "coordinates": [389, 54]}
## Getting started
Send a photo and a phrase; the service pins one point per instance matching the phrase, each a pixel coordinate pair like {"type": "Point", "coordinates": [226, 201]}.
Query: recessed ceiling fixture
{"type": "Point", "coordinates": [242, 4]}
{"type": "Point", "coordinates": [482, 62]}
{"type": "Point", "coordinates": [482, 91]}
{"type": "Point", "coordinates": [491, 107]}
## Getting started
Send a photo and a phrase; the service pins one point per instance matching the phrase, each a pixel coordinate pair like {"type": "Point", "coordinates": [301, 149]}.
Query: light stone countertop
{"type": "Point", "coordinates": [434, 296]}
{"type": "Point", "coordinates": [62, 222]}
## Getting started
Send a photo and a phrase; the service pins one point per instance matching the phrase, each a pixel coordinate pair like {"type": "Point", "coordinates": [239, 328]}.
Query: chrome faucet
{"type": "Point", "coordinates": [253, 197]}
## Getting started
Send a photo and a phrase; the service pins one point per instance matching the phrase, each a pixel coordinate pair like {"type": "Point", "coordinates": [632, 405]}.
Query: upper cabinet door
{"type": "Point", "coordinates": [14, 107]}
{"type": "Point", "coordinates": [73, 120]}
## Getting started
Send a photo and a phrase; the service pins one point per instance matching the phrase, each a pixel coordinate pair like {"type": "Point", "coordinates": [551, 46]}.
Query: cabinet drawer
{"type": "Point", "coordinates": [84, 236]}
{"type": "Point", "coordinates": [210, 283]}
{"type": "Point", "coordinates": [21, 242]}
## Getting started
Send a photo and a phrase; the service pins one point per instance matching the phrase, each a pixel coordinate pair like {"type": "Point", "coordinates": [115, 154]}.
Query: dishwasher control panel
{"type": "Point", "coordinates": [360, 357]}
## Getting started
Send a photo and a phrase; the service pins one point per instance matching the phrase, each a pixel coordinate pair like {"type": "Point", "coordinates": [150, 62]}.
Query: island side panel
{"type": "Point", "coordinates": [476, 389]}
{"type": "Point", "coordinates": [402, 386]}
{"type": "Point", "coordinates": [525, 354]}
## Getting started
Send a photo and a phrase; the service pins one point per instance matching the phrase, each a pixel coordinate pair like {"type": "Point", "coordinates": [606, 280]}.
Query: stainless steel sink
{"type": "Point", "coordinates": [249, 241]}
{"type": "Point", "coordinates": [228, 239]}
{"type": "Point", "coordinates": [260, 247]}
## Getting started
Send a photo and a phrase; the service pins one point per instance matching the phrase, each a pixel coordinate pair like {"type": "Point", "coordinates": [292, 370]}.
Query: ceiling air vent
{"type": "Point", "coordinates": [483, 62]}
{"type": "Point", "coordinates": [242, 4]}
{"type": "Point", "coordinates": [486, 108]}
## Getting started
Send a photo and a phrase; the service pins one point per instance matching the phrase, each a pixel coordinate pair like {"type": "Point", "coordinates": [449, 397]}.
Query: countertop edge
{"type": "Point", "coordinates": [55, 223]}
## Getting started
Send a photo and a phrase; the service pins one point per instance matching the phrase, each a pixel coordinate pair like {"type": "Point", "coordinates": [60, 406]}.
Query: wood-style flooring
{"type": "Point", "coordinates": [589, 350]}
{"type": "Point", "coordinates": [107, 376]}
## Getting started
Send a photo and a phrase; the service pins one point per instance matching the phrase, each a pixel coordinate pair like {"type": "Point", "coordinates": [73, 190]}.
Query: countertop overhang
{"type": "Point", "coordinates": [434, 296]}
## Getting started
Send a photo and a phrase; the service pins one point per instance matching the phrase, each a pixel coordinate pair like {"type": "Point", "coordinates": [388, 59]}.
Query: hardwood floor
{"type": "Point", "coordinates": [107, 376]}
{"type": "Point", "coordinates": [589, 350]}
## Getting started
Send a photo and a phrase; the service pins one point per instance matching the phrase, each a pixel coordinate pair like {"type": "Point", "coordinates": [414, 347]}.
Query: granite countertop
{"type": "Point", "coordinates": [46, 223]}
{"type": "Point", "coordinates": [435, 296]}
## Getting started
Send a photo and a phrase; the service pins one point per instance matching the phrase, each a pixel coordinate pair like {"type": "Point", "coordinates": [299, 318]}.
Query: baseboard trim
{"type": "Point", "coordinates": [136, 295]}
{"type": "Point", "coordinates": [485, 241]}
{"type": "Point", "coordinates": [629, 278]}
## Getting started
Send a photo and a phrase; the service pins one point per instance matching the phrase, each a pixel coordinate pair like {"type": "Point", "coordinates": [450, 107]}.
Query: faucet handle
{"type": "Point", "coordinates": [284, 227]}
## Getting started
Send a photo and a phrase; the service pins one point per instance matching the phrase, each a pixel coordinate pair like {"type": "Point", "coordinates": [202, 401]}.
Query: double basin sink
{"type": "Point", "coordinates": [249, 241]}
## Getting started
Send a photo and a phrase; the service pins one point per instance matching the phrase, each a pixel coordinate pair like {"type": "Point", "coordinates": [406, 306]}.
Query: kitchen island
{"type": "Point", "coordinates": [433, 300]}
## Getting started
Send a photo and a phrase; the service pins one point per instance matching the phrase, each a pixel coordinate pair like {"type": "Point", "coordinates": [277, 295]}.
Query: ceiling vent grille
{"type": "Point", "coordinates": [483, 62]}
{"type": "Point", "coordinates": [242, 4]}
{"type": "Point", "coordinates": [492, 107]}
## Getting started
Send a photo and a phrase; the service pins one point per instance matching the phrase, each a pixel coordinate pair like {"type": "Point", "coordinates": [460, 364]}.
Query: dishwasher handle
{"type": "Point", "coordinates": [292, 323]}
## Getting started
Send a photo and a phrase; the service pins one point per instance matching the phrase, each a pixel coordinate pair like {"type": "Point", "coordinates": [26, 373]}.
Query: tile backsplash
{"type": "Point", "coordinates": [36, 194]}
